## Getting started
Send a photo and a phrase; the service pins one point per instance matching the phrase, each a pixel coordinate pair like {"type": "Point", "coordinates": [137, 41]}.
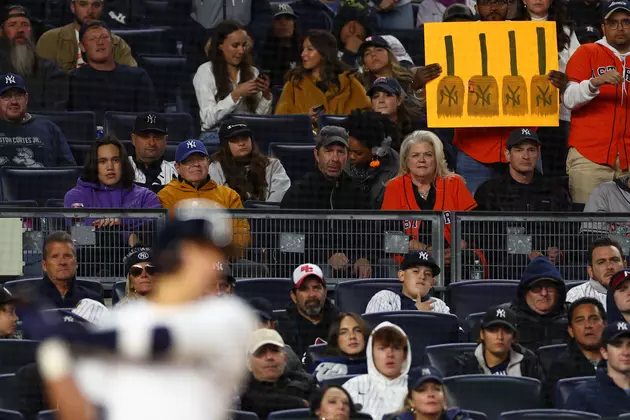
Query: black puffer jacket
{"type": "Point", "coordinates": [571, 364]}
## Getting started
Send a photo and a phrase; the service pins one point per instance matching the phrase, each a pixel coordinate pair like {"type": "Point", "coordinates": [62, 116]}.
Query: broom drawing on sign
{"type": "Point", "coordinates": [544, 95]}
{"type": "Point", "coordinates": [451, 88]}
{"type": "Point", "coordinates": [514, 86]}
{"type": "Point", "coordinates": [483, 91]}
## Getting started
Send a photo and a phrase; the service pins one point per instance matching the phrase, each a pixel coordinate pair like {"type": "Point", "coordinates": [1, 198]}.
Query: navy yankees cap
{"type": "Point", "coordinates": [420, 258]}
{"type": "Point", "coordinates": [615, 330]}
{"type": "Point", "coordinates": [613, 6]}
{"type": "Point", "coordinates": [11, 81]}
{"type": "Point", "coordinates": [419, 376]}
{"type": "Point", "coordinates": [188, 147]}
{"type": "Point", "coordinates": [520, 135]}
{"type": "Point", "coordinates": [499, 315]}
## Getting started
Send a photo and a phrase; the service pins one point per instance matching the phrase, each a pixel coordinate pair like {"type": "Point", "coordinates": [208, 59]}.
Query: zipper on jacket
{"type": "Point", "coordinates": [331, 194]}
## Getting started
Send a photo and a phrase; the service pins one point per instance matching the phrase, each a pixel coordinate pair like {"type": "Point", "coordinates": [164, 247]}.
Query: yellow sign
{"type": "Point", "coordinates": [493, 74]}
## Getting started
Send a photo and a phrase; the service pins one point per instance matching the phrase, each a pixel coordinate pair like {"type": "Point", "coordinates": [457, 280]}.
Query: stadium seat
{"type": "Point", "coordinates": [316, 351]}
{"type": "Point", "coordinates": [492, 394]}
{"type": "Point", "coordinates": [565, 387]}
{"type": "Point", "coordinates": [278, 314]}
{"type": "Point", "coordinates": [10, 415]}
{"type": "Point", "coordinates": [354, 295]}
{"type": "Point", "coordinates": [168, 73]}
{"type": "Point", "coordinates": [54, 202]}
{"type": "Point", "coordinates": [147, 40]}
{"type": "Point", "coordinates": [269, 129]}
{"type": "Point", "coordinates": [549, 354]}
{"type": "Point", "coordinates": [242, 415]}
{"type": "Point", "coordinates": [15, 285]}
{"type": "Point", "coordinates": [422, 328]}
{"type": "Point", "coordinates": [120, 124]}
{"type": "Point", "coordinates": [7, 388]}
{"type": "Point", "coordinates": [442, 355]}
{"type": "Point", "coordinates": [80, 152]}
{"type": "Point", "coordinates": [326, 119]}
{"type": "Point", "coordinates": [303, 414]}
{"type": "Point", "coordinates": [297, 159]}
{"type": "Point", "coordinates": [16, 353]}
{"type": "Point", "coordinates": [413, 41]}
{"type": "Point", "coordinates": [119, 291]}
{"type": "Point", "coordinates": [77, 126]}
{"type": "Point", "coordinates": [467, 297]}
{"type": "Point", "coordinates": [472, 325]}
{"type": "Point", "coordinates": [276, 290]}
{"type": "Point", "coordinates": [546, 414]}
{"type": "Point", "coordinates": [37, 184]}
{"type": "Point", "coordinates": [263, 205]}
{"type": "Point", "coordinates": [339, 380]}
{"type": "Point", "coordinates": [475, 415]}
{"type": "Point", "coordinates": [19, 203]}
{"type": "Point", "coordinates": [47, 415]}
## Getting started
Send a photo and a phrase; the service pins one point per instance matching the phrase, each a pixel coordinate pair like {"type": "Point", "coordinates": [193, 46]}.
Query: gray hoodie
{"type": "Point", "coordinates": [209, 13]}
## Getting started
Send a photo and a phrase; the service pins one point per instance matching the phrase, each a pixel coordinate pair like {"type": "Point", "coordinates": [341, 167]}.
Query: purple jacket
{"type": "Point", "coordinates": [97, 195]}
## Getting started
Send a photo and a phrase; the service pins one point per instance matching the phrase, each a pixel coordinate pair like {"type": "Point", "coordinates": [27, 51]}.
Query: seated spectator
{"type": "Point", "coordinates": [426, 399]}
{"type": "Point", "coordinates": [227, 83]}
{"type": "Point", "coordinates": [283, 45]}
{"type": "Point", "coordinates": [192, 165]}
{"type": "Point", "coordinates": [345, 349]}
{"type": "Point", "coordinates": [310, 314]}
{"type": "Point", "coordinates": [47, 82]}
{"type": "Point", "coordinates": [321, 80]}
{"type": "Point", "coordinates": [457, 12]}
{"type": "Point", "coordinates": [384, 387]}
{"type": "Point", "coordinates": [8, 318]}
{"type": "Point", "coordinates": [227, 282]}
{"type": "Point", "coordinates": [372, 160]}
{"type": "Point", "coordinates": [255, 14]}
{"type": "Point", "coordinates": [618, 297]}
{"type": "Point", "coordinates": [102, 84]}
{"type": "Point", "coordinates": [607, 394]}
{"type": "Point", "coordinates": [62, 44]}
{"type": "Point", "coordinates": [379, 60]}
{"type": "Point", "coordinates": [240, 165]}
{"type": "Point", "coordinates": [498, 352]}
{"type": "Point", "coordinates": [610, 197]}
{"type": "Point", "coordinates": [140, 272]}
{"type": "Point", "coordinates": [417, 274]}
{"type": "Point", "coordinates": [587, 319]}
{"type": "Point", "coordinates": [605, 258]}
{"type": "Point", "coordinates": [353, 22]}
{"type": "Point", "coordinates": [271, 387]}
{"type": "Point", "coordinates": [59, 262]}
{"type": "Point", "coordinates": [332, 402]}
{"type": "Point", "coordinates": [149, 137]}
{"type": "Point", "coordinates": [541, 313]}
{"type": "Point", "coordinates": [27, 140]}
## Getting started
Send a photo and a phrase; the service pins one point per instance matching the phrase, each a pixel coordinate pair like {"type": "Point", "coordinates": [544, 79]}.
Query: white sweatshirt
{"type": "Point", "coordinates": [591, 288]}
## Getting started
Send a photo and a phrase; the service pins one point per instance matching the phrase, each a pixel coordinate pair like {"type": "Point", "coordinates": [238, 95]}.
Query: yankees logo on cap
{"type": "Point", "coordinates": [150, 122]}
{"type": "Point", "coordinates": [11, 81]}
{"type": "Point", "coordinates": [419, 376]}
{"type": "Point", "coordinates": [420, 259]}
{"type": "Point", "coordinates": [520, 135]}
{"type": "Point", "coordinates": [499, 316]}
{"type": "Point", "coordinates": [188, 147]}
{"type": "Point", "coordinates": [614, 331]}
{"type": "Point", "coordinates": [500, 313]}
{"type": "Point", "coordinates": [151, 118]}
{"type": "Point", "coordinates": [304, 271]}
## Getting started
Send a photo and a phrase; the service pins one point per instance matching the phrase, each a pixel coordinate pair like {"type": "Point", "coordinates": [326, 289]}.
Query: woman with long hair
{"type": "Point", "coordinates": [388, 98]}
{"type": "Point", "coordinates": [140, 272]}
{"type": "Point", "coordinates": [240, 165]}
{"type": "Point", "coordinates": [228, 83]}
{"type": "Point", "coordinates": [321, 83]}
{"type": "Point", "coordinates": [332, 403]}
{"type": "Point", "coordinates": [379, 60]}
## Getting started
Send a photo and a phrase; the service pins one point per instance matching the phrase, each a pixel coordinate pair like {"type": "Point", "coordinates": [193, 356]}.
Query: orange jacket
{"type": "Point", "coordinates": [484, 144]}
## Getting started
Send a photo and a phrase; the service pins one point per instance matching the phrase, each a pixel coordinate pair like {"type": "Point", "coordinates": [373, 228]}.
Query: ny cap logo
{"type": "Point", "coordinates": [590, 29]}
{"type": "Point", "coordinates": [191, 144]}
{"type": "Point", "coordinates": [525, 132]}
{"type": "Point", "coordinates": [10, 79]}
{"type": "Point", "coordinates": [283, 7]}
{"type": "Point", "coordinates": [151, 118]}
{"type": "Point", "coordinates": [426, 371]}
{"type": "Point", "coordinates": [616, 3]}
{"type": "Point", "coordinates": [306, 269]}
{"type": "Point", "coordinates": [622, 326]}
{"type": "Point", "coordinates": [423, 255]}
{"type": "Point", "coordinates": [235, 126]}
{"type": "Point", "coordinates": [501, 313]}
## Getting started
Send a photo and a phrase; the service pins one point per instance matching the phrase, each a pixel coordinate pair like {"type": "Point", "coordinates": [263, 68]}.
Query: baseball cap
{"type": "Point", "coordinates": [588, 33]}
{"type": "Point", "coordinates": [263, 337]}
{"type": "Point", "coordinates": [188, 147]}
{"type": "Point", "coordinates": [614, 330]}
{"type": "Point", "coordinates": [388, 84]}
{"type": "Point", "coordinates": [230, 129]}
{"type": "Point", "coordinates": [15, 10]}
{"type": "Point", "coordinates": [618, 278]}
{"type": "Point", "coordinates": [150, 121]}
{"type": "Point", "coordinates": [613, 6]}
{"type": "Point", "coordinates": [457, 11]}
{"type": "Point", "coordinates": [92, 24]}
{"type": "Point", "coordinates": [306, 270]}
{"type": "Point", "coordinates": [90, 311]}
{"type": "Point", "coordinates": [332, 134]}
{"type": "Point", "coordinates": [137, 255]}
{"type": "Point", "coordinates": [419, 376]}
{"type": "Point", "coordinates": [263, 308]}
{"type": "Point", "coordinates": [498, 315]}
{"type": "Point", "coordinates": [373, 41]}
{"type": "Point", "coordinates": [224, 269]}
{"type": "Point", "coordinates": [519, 135]}
{"type": "Point", "coordinates": [5, 296]}
{"type": "Point", "coordinates": [11, 81]}
{"type": "Point", "coordinates": [420, 258]}
{"type": "Point", "coordinates": [279, 9]}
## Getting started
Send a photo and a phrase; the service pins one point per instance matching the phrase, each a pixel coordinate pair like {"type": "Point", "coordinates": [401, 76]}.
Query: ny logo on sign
{"type": "Point", "coordinates": [501, 313]}
{"type": "Point", "coordinates": [426, 371]}
{"type": "Point", "coordinates": [191, 144]}
{"type": "Point", "coordinates": [9, 79]}
{"type": "Point", "coordinates": [525, 132]}
{"type": "Point", "coordinates": [622, 326]}
{"type": "Point", "coordinates": [151, 119]}
{"type": "Point", "coordinates": [306, 269]}
{"type": "Point", "coordinates": [423, 255]}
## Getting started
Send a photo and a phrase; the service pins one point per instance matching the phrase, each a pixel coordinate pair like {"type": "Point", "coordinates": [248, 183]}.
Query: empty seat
{"type": "Point", "coordinates": [16, 353]}
{"type": "Point", "coordinates": [77, 126]}
{"type": "Point", "coordinates": [269, 129]}
{"type": "Point", "coordinates": [19, 203]}
{"type": "Point", "coordinates": [37, 184]}
{"type": "Point", "coordinates": [297, 159]}
{"type": "Point", "coordinates": [10, 415]}
{"type": "Point", "coordinates": [549, 354]}
{"type": "Point", "coordinates": [147, 40]}
{"type": "Point", "coordinates": [119, 291]}
{"type": "Point", "coordinates": [242, 415]}
{"type": "Point", "coordinates": [80, 152]}
{"type": "Point", "coordinates": [326, 119]}
{"type": "Point", "coordinates": [467, 297]}
{"type": "Point", "coordinates": [354, 295]}
{"type": "Point", "coordinates": [276, 290]}
{"type": "Point", "coordinates": [422, 328]}
{"type": "Point", "coordinates": [548, 415]}
{"type": "Point", "coordinates": [565, 387]}
{"type": "Point", "coordinates": [22, 284]}
{"type": "Point", "coordinates": [7, 390]}
{"type": "Point", "coordinates": [339, 380]}
{"type": "Point", "coordinates": [54, 202]}
{"type": "Point", "coordinates": [120, 124]}
{"type": "Point", "coordinates": [472, 324]}
{"type": "Point", "coordinates": [491, 394]}
{"type": "Point", "coordinates": [475, 415]}
{"type": "Point", "coordinates": [168, 73]}
{"type": "Point", "coordinates": [442, 355]}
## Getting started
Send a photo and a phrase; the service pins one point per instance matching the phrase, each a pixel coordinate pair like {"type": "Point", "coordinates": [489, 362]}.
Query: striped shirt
{"type": "Point", "coordinates": [388, 301]}
{"type": "Point", "coordinates": [591, 288]}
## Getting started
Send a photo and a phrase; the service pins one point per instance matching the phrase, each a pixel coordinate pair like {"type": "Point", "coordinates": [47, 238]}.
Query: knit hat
{"type": "Point", "coordinates": [137, 255]}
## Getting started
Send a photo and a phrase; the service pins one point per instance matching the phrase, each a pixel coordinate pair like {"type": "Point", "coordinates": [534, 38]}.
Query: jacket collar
{"type": "Point", "coordinates": [514, 366]}
{"type": "Point", "coordinates": [68, 32]}
{"type": "Point", "coordinates": [141, 165]}
{"type": "Point", "coordinates": [47, 286]}
{"type": "Point", "coordinates": [200, 187]}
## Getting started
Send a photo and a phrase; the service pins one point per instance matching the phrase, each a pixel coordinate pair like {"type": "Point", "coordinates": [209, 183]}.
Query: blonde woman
{"type": "Point", "coordinates": [140, 273]}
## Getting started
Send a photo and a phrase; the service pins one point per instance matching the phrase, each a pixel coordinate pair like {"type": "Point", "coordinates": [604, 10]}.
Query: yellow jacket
{"type": "Point", "coordinates": [298, 98]}
{"type": "Point", "coordinates": [177, 190]}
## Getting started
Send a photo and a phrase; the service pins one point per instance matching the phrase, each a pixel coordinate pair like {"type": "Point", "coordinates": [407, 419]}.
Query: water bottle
{"type": "Point", "coordinates": [78, 221]}
{"type": "Point", "coordinates": [99, 131]}
{"type": "Point", "coordinates": [477, 270]}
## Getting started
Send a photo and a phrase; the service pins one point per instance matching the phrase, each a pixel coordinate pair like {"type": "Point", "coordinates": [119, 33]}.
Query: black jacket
{"type": "Point", "coordinates": [600, 396]}
{"type": "Point", "coordinates": [279, 57]}
{"type": "Point", "coordinates": [313, 14]}
{"type": "Point", "coordinates": [299, 333]}
{"type": "Point", "coordinates": [290, 391]}
{"type": "Point", "coordinates": [571, 364]}
{"type": "Point", "coordinates": [49, 291]}
{"type": "Point", "coordinates": [372, 181]}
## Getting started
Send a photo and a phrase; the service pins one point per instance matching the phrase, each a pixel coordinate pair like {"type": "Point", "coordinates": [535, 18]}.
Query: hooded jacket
{"type": "Point", "coordinates": [599, 396]}
{"type": "Point", "coordinates": [535, 330]}
{"type": "Point", "coordinates": [377, 394]}
{"type": "Point", "coordinates": [98, 195]}
{"type": "Point", "coordinates": [372, 181]}
{"type": "Point", "coordinates": [523, 362]}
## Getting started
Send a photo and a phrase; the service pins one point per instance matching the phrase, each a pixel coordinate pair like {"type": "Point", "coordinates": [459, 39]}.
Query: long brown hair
{"type": "Point", "coordinates": [403, 75]}
{"type": "Point", "coordinates": [220, 67]}
{"type": "Point", "coordinates": [332, 348]}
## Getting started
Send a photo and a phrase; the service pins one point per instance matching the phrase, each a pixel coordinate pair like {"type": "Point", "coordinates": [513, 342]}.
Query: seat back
{"type": "Point", "coordinates": [354, 295]}
{"type": "Point", "coordinates": [475, 415]}
{"type": "Point", "coordinates": [316, 352]}
{"type": "Point", "coordinates": [168, 73]}
{"type": "Point", "coordinates": [263, 205]}
{"type": "Point", "coordinates": [147, 40]}
{"type": "Point", "coordinates": [19, 203]}
{"type": "Point", "coordinates": [441, 356]}
{"type": "Point", "coordinates": [422, 328]}
{"type": "Point", "coordinates": [242, 415]}
{"type": "Point", "coordinates": [76, 126]}
{"type": "Point", "coordinates": [467, 297]}
{"type": "Point", "coordinates": [16, 353]}
{"type": "Point", "coordinates": [33, 283]}
{"type": "Point", "coordinates": [491, 394]}
{"type": "Point", "coordinates": [47, 415]}
{"type": "Point", "coordinates": [328, 119]}
{"type": "Point", "coordinates": [80, 152]}
{"type": "Point", "coordinates": [297, 159]}
{"type": "Point", "coordinates": [549, 354]}
{"type": "Point", "coordinates": [338, 380]}
{"type": "Point", "coordinates": [276, 290]}
{"type": "Point", "coordinates": [10, 415]}
{"type": "Point", "coordinates": [565, 387]}
{"type": "Point", "coordinates": [269, 129]}
{"type": "Point", "coordinates": [120, 124]}
{"type": "Point", "coordinates": [472, 325]}
{"type": "Point", "coordinates": [37, 184]}
{"type": "Point", "coordinates": [7, 390]}
{"type": "Point", "coordinates": [54, 202]}
{"type": "Point", "coordinates": [119, 291]}
{"type": "Point", "coordinates": [547, 414]}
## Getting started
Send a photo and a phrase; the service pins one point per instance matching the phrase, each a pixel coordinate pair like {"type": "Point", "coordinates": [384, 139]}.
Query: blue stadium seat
{"type": "Point", "coordinates": [549, 354]}
{"type": "Point", "coordinates": [467, 297]}
{"type": "Point", "coordinates": [37, 184]}
{"type": "Point", "coordinates": [315, 353]}
{"type": "Point", "coordinates": [119, 291]}
{"type": "Point", "coordinates": [77, 126]}
{"type": "Point", "coordinates": [492, 394]}
{"type": "Point", "coordinates": [339, 380]}
{"type": "Point", "coordinates": [472, 325]}
{"type": "Point", "coordinates": [326, 119]}
{"type": "Point", "coordinates": [147, 40]}
{"type": "Point", "coordinates": [47, 415]}
{"type": "Point", "coordinates": [10, 415]}
{"type": "Point", "coordinates": [180, 125]}
{"type": "Point", "coordinates": [242, 415]}
{"type": "Point", "coordinates": [297, 159]}
{"type": "Point", "coordinates": [18, 203]}
{"type": "Point", "coordinates": [565, 387]}
{"type": "Point", "coordinates": [16, 353]}
{"type": "Point", "coordinates": [168, 73]}
{"type": "Point", "coordinates": [547, 414]}
{"type": "Point", "coordinates": [276, 290]}
{"type": "Point", "coordinates": [269, 129]}
{"type": "Point", "coordinates": [7, 390]}
{"type": "Point", "coordinates": [21, 284]}
{"type": "Point", "coordinates": [422, 328]}
{"type": "Point", "coordinates": [441, 356]}
{"type": "Point", "coordinates": [354, 295]}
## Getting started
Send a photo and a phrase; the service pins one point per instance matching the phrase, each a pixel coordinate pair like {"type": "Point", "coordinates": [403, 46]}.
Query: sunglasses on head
{"type": "Point", "coordinates": [136, 270]}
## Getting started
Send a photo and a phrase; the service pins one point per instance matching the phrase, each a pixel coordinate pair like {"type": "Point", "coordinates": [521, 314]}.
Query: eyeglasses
{"type": "Point", "coordinates": [615, 24]}
{"type": "Point", "coordinates": [538, 288]}
{"type": "Point", "coordinates": [15, 95]}
{"type": "Point", "coordinates": [137, 270]}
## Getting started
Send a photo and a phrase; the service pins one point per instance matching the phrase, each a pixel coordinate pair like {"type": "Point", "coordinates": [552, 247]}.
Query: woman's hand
{"type": "Point", "coordinates": [248, 88]}
{"type": "Point", "coordinates": [264, 85]}
{"type": "Point", "coordinates": [314, 114]}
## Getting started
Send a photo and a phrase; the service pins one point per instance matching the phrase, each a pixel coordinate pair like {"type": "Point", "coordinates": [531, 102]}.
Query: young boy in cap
{"type": "Point", "coordinates": [8, 318]}
{"type": "Point", "coordinates": [417, 275]}
{"type": "Point", "coordinates": [618, 297]}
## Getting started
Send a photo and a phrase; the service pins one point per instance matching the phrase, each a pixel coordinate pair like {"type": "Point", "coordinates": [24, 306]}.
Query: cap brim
{"type": "Point", "coordinates": [335, 141]}
{"type": "Point", "coordinates": [499, 322]}
{"type": "Point", "coordinates": [264, 315]}
{"type": "Point", "coordinates": [435, 269]}
{"type": "Point", "coordinates": [203, 152]}
{"type": "Point", "coordinates": [425, 379]}
{"type": "Point", "coordinates": [144, 130]}
{"type": "Point", "coordinates": [241, 132]}
{"type": "Point", "coordinates": [4, 89]}
{"type": "Point", "coordinates": [616, 336]}
{"type": "Point", "coordinates": [555, 281]}
{"type": "Point", "coordinates": [284, 14]}
{"type": "Point", "coordinates": [383, 88]}
{"type": "Point", "coordinates": [305, 276]}
{"type": "Point", "coordinates": [459, 16]}
{"type": "Point", "coordinates": [607, 15]}
{"type": "Point", "coordinates": [264, 343]}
